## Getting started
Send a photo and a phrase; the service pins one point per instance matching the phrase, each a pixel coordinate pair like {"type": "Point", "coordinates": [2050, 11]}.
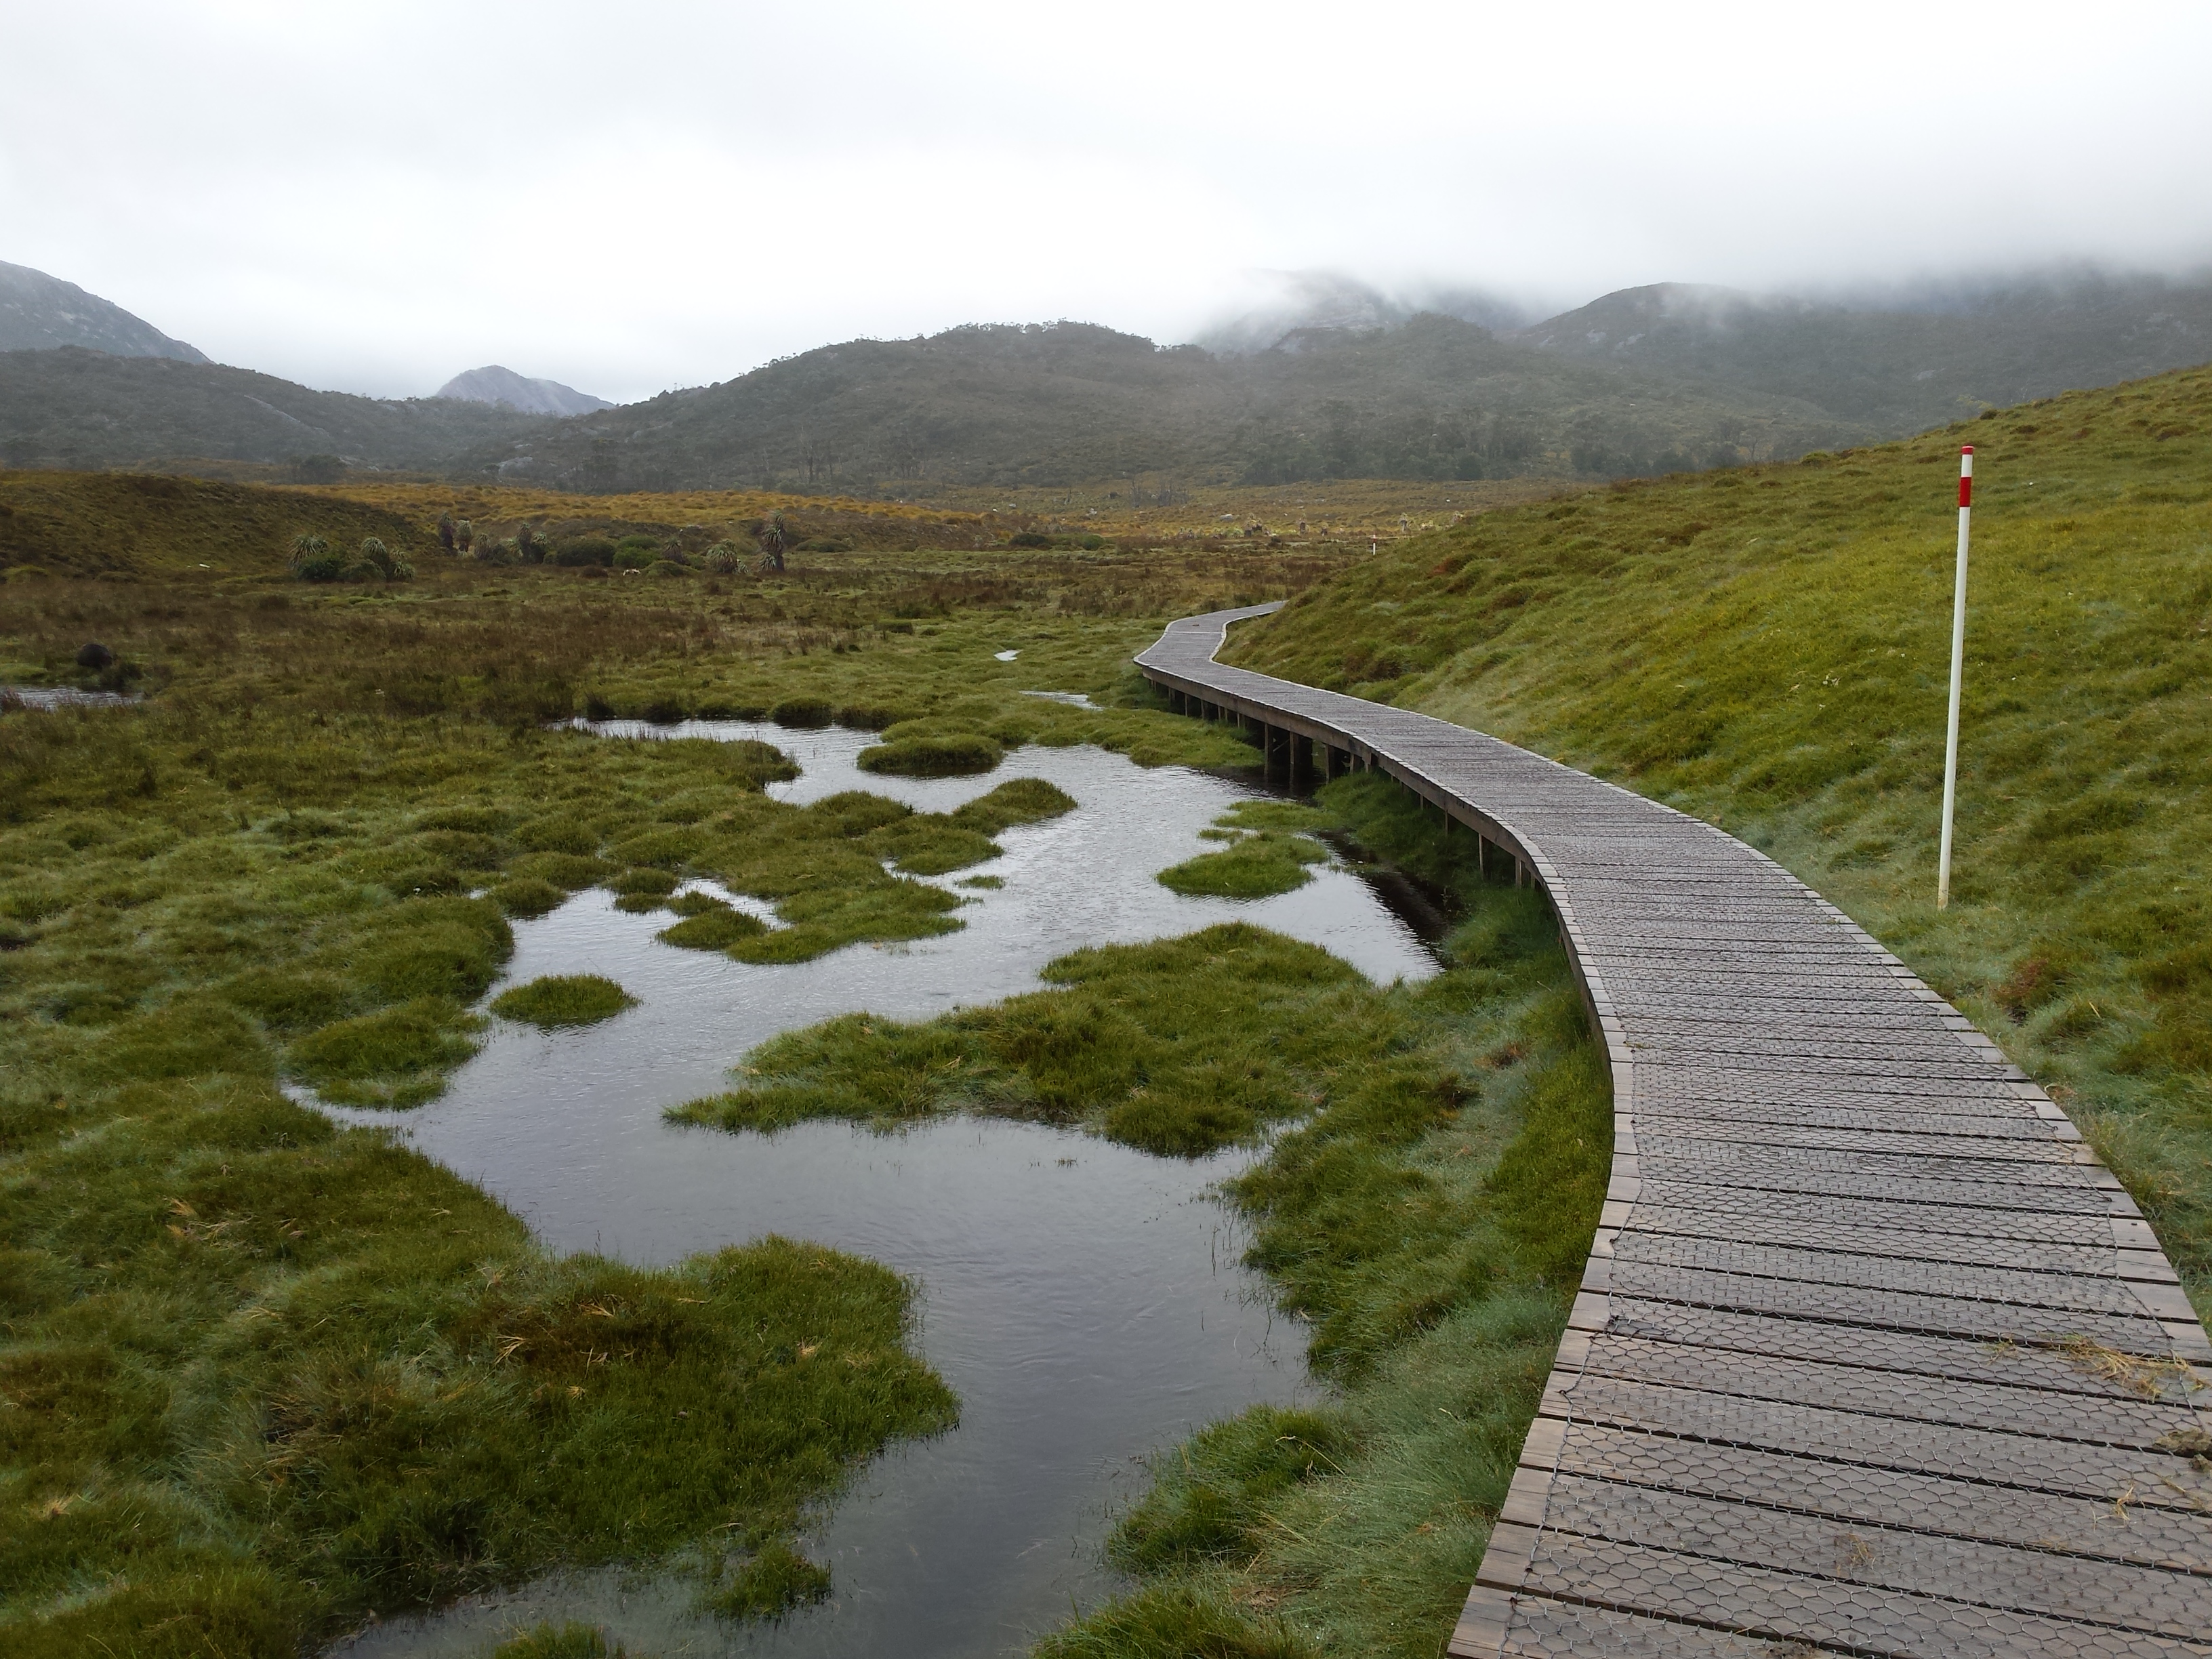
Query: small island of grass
{"type": "Point", "coordinates": [1265, 854]}
{"type": "Point", "coordinates": [557, 1001]}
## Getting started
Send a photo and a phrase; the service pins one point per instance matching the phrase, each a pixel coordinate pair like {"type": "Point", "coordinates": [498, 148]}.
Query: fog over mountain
{"type": "Point", "coordinates": [1329, 377]}
{"type": "Point", "coordinates": [38, 311]}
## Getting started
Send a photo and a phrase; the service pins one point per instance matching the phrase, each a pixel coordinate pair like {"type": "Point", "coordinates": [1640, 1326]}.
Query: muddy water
{"type": "Point", "coordinates": [1084, 1300]}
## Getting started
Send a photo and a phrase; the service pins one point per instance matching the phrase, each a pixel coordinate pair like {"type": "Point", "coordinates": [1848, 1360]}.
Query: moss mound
{"type": "Point", "coordinates": [714, 929]}
{"type": "Point", "coordinates": [938, 755]}
{"type": "Point", "coordinates": [562, 999]}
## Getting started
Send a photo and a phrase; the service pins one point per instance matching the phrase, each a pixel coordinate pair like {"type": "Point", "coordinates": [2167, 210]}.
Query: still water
{"type": "Point", "coordinates": [1085, 1301]}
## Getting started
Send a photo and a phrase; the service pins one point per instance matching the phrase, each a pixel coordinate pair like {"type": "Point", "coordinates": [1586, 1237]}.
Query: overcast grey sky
{"type": "Point", "coordinates": [633, 194]}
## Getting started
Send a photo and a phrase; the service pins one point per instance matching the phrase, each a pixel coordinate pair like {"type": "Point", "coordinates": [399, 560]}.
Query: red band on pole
{"type": "Point", "coordinates": [1966, 475]}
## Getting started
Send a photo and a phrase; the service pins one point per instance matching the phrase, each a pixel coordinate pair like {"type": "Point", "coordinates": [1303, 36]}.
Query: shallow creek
{"type": "Point", "coordinates": [1084, 1300]}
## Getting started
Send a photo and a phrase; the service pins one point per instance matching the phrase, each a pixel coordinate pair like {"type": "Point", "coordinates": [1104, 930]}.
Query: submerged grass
{"type": "Point", "coordinates": [266, 1376]}
{"type": "Point", "coordinates": [1440, 1157]}
{"type": "Point", "coordinates": [1768, 648]}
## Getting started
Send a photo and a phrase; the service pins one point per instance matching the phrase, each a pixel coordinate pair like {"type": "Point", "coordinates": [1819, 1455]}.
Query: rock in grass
{"type": "Point", "coordinates": [561, 999]}
{"type": "Point", "coordinates": [938, 755]}
{"type": "Point", "coordinates": [1258, 867]}
{"type": "Point", "coordinates": [716, 929]}
{"type": "Point", "coordinates": [93, 654]}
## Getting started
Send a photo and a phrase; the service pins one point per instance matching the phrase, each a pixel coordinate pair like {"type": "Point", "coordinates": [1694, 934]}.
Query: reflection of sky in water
{"type": "Point", "coordinates": [1082, 1299]}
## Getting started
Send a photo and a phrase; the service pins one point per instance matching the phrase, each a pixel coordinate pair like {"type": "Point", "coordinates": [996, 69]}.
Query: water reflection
{"type": "Point", "coordinates": [1084, 1300]}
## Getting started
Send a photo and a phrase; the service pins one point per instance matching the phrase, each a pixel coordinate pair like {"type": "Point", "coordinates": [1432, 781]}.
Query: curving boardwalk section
{"type": "Point", "coordinates": [1872, 1355]}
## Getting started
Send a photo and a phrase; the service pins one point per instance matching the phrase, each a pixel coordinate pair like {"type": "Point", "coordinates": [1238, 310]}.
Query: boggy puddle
{"type": "Point", "coordinates": [1086, 1301]}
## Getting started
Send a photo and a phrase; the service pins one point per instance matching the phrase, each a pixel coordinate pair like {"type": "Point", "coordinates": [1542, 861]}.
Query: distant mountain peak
{"type": "Point", "coordinates": [494, 385]}
{"type": "Point", "coordinates": [38, 313]}
{"type": "Point", "coordinates": [1306, 304]}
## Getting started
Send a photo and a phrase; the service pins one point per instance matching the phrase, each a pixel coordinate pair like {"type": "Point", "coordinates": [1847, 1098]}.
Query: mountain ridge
{"type": "Point", "coordinates": [39, 312]}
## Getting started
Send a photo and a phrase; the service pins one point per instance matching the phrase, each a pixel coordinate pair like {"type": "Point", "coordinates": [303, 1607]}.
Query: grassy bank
{"type": "Point", "coordinates": [265, 1376]}
{"type": "Point", "coordinates": [1427, 1205]}
{"type": "Point", "coordinates": [1768, 649]}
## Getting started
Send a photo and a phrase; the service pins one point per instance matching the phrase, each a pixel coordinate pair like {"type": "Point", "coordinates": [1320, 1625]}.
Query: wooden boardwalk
{"type": "Point", "coordinates": [1872, 1355]}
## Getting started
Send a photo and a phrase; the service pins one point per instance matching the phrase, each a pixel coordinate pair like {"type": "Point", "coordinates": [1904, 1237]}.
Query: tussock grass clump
{"type": "Point", "coordinates": [1207, 1503]}
{"type": "Point", "coordinates": [801, 711]}
{"type": "Point", "coordinates": [774, 1580]}
{"type": "Point", "coordinates": [1017, 801]}
{"type": "Point", "coordinates": [395, 1057]}
{"type": "Point", "coordinates": [714, 929]}
{"type": "Point", "coordinates": [571, 1639]}
{"type": "Point", "coordinates": [1180, 1047]}
{"type": "Point", "coordinates": [932, 754]}
{"type": "Point", "coordinates": [1265, 855]}
{"type": "Point", "coordinates": [1173, 1620]}
{"type": "Point", "coordinates": [555, 1001]}
{"type": "Point", "coordinates": [526, 896]}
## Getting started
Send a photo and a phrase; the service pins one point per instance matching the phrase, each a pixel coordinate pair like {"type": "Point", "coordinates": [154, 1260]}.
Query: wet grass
{"type": "Point", "coordinates": [568, 1640]}
{"type": "Point", "coordinates": [1769, 649]}
{"type": "Point", "coordinates": [1265, 853]}
{"type": "Point", "coordinates": [266, 1376]}
{"type": "Point", "coordinates": [554, 1001]}
{"type": "Point", "coordinates": [1440, 1153]}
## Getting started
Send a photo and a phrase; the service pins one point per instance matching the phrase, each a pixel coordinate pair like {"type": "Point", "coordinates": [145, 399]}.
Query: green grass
{"type": "Point", "coordinates": [921, 753]}
{"type": "Point", "coordinates": [1265, 854]}
{"type": "Point", "coordinates": [567, 1640]}
{"type": "Point", "coordinates": [267, 1377]}
{"type": "Point", "coordinates": [1769, 649]}
{"type": "Point", "coordinates": [553, 1001]}
{"type": "Point", "coordinates": [1440, 1154]}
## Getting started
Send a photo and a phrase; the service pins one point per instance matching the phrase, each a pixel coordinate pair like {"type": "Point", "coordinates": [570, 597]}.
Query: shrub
{"type": "Point", "coordinates": [313, 561]}
{"type": "Point", "coordinates": [722, 559]}
{"type": "Point", "coordinates": [1029, 538]}
{"type": "Point", "coordinates": [585, 550]}
{"type": "Point", "coordinates": [667, 568]}
{"type": "Point", "coordinates": [564, 1000]}
{"type": "Point", "coordinates": [635, 552]}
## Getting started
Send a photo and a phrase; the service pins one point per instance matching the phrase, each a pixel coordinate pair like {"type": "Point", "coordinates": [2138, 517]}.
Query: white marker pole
{"type": "Point", "coordinates": [1958, 679]}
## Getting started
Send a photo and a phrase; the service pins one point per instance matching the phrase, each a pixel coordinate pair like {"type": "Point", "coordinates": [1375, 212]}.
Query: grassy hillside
{"type": "Point", "coordinates": [1939, 358]}
{"type": "Point", "coordinates": [1768, 649]}
{"type": "Point", "coordinates": [94, 523]}
{"type": "Point", "coordinates": [74, 407]}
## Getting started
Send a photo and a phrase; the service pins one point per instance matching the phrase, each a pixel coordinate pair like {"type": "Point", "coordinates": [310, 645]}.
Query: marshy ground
{"type": "Point", "coordinates": [270, 1375]}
